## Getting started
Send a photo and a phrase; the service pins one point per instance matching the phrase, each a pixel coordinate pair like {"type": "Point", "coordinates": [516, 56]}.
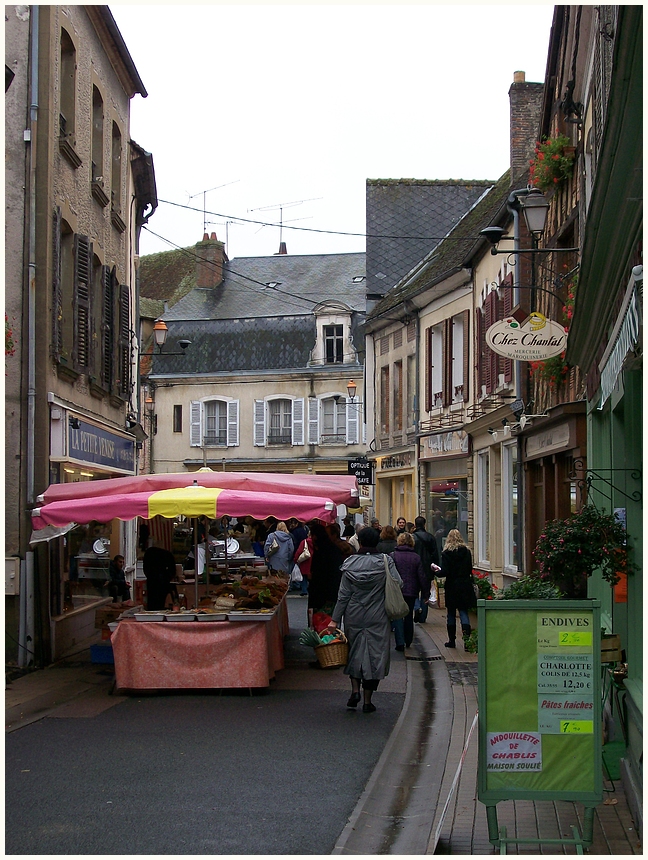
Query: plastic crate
{"type": "Point", "coordinates": [101, 653]}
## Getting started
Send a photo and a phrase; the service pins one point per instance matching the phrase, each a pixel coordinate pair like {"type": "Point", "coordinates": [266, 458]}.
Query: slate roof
{"type": "Point", "coordinates": [245, 325]}
{"type": "Point", "coordinates": [455, 252]}
{"type": "Point", "coordinates": [302, 283]}
{"type": "Point", "coordinates": [168, 275]}
{"type": "Point", "coordinates": [420, 211]}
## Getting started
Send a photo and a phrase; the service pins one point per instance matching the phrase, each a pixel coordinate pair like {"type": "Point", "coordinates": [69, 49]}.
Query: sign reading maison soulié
{"type": "Point", "coordinates": [93, 444]}
{"type": "Point", "coordinates": [537, 339]}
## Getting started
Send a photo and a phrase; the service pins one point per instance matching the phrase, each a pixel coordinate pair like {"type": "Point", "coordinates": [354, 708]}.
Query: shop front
{"type": "Point", "coordinates": [396, 488]}
{"type": "Point", "coordinates": [85, 451]}
{"type": "Point", "coordinates": [554, 451]}
{"type": "Point", "coordinates": [444, 461]}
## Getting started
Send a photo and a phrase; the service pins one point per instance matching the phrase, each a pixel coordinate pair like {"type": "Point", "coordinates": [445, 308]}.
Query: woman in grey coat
{"type": "Point", "coordinates": [281, 561]}
{"type": "Point", "coordinates": [361, 602]}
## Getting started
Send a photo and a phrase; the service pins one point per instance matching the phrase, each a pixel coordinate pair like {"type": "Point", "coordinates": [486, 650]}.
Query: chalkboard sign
{"type": "Point", "coordinates": [539, 700]}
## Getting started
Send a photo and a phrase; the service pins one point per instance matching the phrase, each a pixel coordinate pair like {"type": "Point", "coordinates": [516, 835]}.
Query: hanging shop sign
{"type": "Point", "coordinates": [362, 469]}
{"type": "Point", "coordinates": [91, 444]}
{"type": "Point", "coordinates": [537, 339]}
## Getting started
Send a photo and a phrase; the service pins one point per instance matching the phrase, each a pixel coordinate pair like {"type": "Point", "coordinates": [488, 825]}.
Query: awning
{"type": "Point", "coordinates": [624, 338]}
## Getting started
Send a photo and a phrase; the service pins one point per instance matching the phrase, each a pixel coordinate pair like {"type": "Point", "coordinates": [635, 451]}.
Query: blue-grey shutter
{"type": "Point", "coordinates": [233, 423]}
{"type": "Point", "coordinates": [195, 423]}
{"type": "Point", "coordinates": [298, 421]}
{"type": "Point", "coordinates": [259, 422]}
{"type": "Point", "coordinates": [352, 421]}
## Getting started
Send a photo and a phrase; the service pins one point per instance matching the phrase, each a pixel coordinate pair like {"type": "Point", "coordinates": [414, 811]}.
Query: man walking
{"type": "Point", "coordinates": [426, 546]}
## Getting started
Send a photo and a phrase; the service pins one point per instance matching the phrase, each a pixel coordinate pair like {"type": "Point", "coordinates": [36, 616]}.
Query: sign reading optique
{"type": "Point", "coordinates": [536, 340]}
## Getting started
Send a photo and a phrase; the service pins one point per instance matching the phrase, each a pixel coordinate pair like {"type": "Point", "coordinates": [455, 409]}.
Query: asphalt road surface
{"type": "Point", "coordinates": [187, 773]}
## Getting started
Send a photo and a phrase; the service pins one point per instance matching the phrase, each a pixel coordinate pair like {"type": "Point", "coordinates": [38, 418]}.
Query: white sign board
{"type": "Point", "coordinates": [536, 340]}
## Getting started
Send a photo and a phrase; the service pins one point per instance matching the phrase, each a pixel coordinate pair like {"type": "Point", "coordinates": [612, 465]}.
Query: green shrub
{"type": "Point", "coordinates": [530, 588]}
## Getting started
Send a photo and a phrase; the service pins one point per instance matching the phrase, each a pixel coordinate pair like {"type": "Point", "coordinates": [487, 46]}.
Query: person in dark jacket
{"type": "Point", "coordinates": [415, 582]}
{"type": "Point", "coordinates": [325, 569]}
{"type": "Point", "coordinates": [401, 526]}
{"type": "Point", "coordinates": [117, 586]}
{"type": "Point", "coordinates": [426, 546]}
{"type": "Point", "coordinates": [159, 569]}
{"type": "Point", "coordinates": [387, 542]}
{"type": "Point", "coordinates": [456, 567]}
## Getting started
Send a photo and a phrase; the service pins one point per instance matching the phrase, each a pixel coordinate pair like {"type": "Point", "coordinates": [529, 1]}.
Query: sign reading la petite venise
{"type": "Point", "coordinates": [535, 340]}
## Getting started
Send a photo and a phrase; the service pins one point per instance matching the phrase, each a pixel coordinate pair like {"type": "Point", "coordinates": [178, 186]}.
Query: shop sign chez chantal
{"type": "Point", "coordinates": [537, 339]}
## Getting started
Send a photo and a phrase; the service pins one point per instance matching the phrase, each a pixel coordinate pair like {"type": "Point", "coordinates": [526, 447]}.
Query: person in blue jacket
{"type": "Point", "coordinates": [281, 559]}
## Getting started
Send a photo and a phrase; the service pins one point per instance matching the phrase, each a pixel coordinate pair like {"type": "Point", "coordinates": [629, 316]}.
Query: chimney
{"type": "Point", "coordinates": [526, 106]}
{"type": "Point", "coordinates": [209, 265]}
{"type": "Point", "coordinates": [282, 249]}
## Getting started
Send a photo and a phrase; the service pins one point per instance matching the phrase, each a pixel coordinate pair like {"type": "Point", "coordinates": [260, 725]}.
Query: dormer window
{"type": "Point", "coordinates": [334, 344]}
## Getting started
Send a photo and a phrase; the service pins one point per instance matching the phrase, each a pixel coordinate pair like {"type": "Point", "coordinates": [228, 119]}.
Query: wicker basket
{"type": "Point", "coordinates": [333, 653]}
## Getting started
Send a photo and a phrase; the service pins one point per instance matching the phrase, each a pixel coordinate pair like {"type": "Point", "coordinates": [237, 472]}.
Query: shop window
{"type": "Point", "coordinates": [334, 344]}
{"type": "Point", "coordinates": [483, 507]}
{"type": "Point", "coordinates": [510, 484]}
{"type": "Point", "coordinates": [279, 421]}
{"type": "Point", "coordinates": [448, 505]}
{"type": "Point", "coordinates": [214, 423]}
{"type": "Point", "coordinates": [398, 396]}
{"type": "Point", "coordinates": [177, 418]}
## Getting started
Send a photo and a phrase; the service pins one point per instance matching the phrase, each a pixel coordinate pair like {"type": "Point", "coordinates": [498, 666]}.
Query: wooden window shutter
{"type": "Point", "coordinates": [259, 422]}
{"type": "Point", "coordinates": [466, 355]}
{"type": "Point", "coordinates": [352, 422]}
{"type": "Point", "coordinates": [233, 423]}
{"type": "Point", "coordinates": [428, 369]}
{"type": "Point", "coordinates": [313, 421]}
{"type": "Point", "coordinates": [446, 363]}
{"type": "Point", "coordinates": [506, 306]}
{"type": "Point", "coordinates": [57, 295]}
{"type": "Point", "coordinates": [124, 354]}
{"type": "Point", "coordinates": [108, 279]}
{"type": "Point", "coordinates": [195, 423]}
{"type": "Point", "coordinates": [298, 421]}
{"type": "Point", "coordinates": [82, 276]}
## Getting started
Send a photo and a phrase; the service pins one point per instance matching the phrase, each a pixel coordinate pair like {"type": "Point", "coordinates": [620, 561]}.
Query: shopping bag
{"type": "Point", "coordinates": [304, 554]}
{"type": "Point", "coordinates": [395, 605]}
{"type": "Point", "coordinates": [433, 599]}
{"type": "Point", "coordinates": [274, 546]}
{"type": "Point", "coordinates": [296, 575]}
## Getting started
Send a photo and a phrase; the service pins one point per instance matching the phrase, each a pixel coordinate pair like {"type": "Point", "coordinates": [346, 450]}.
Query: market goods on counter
{"type": "Point", "coordinates": [180, 616]}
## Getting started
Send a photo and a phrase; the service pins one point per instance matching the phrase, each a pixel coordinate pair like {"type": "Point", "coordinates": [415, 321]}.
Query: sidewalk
{"type": "Point", "coordinates": [463, 828]}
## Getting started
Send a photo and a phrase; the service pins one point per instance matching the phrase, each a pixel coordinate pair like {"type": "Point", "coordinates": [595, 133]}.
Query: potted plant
{"type": "Point", "coordinates": [553, 162]}
{"type": "Point", "coordinates": [570, 550]}
{"type": "Point", "coordinates": [530, 588]}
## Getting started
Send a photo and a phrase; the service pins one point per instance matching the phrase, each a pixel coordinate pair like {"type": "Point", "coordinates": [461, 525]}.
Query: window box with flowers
{"type": "Point", "coordinates": [569, 551]}
{"type": "Point", "coordinates": [553, 162]}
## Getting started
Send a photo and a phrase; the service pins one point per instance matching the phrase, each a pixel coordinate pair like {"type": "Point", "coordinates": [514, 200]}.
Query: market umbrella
{"type": "Point", "coordinates": [193, 501]}
{"type": "Point", "coordinates": [341, 489]}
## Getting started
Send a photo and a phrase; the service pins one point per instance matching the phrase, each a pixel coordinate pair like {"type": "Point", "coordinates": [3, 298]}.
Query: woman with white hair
{"type": "Point", "coordinates": [456, 567]}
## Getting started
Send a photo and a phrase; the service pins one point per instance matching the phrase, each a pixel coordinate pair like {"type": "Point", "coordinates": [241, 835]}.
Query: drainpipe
{"type": "Point", "coordinates": [26, 606]}
{"type": "Point", "coordinates": [518, 371]}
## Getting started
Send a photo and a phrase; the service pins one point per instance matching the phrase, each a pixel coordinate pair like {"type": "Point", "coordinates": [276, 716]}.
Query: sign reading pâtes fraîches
{"type": "Point", "coordinates": [536, 339]}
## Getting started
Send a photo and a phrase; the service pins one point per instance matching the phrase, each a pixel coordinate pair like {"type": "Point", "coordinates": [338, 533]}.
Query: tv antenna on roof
{"type": "Point", "coordinates": [281, 207]}
{"type": "Point", "coordinates": [204, 194]}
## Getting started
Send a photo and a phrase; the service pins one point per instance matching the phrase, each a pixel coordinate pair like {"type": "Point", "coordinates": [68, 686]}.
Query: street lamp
{"type": "Point", "coordinates": [160, 332]}
{"type": "Point", "coordinates": [351, 390]}
{"type": "Point", "coordinates": [535, 207]}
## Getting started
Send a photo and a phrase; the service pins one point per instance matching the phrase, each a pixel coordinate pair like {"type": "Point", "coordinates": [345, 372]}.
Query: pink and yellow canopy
{"type": "Point", "coordinates": [341, 489]}
{"type": "Point", "coordinates": [193, 501]}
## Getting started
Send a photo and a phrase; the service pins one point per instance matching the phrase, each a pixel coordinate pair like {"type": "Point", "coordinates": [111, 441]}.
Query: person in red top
{"type": "Point", "coordinates": [305, 549]}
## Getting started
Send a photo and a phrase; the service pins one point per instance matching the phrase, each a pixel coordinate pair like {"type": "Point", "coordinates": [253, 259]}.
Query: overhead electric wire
{"type": "Point", "coordinates": [329, 232]}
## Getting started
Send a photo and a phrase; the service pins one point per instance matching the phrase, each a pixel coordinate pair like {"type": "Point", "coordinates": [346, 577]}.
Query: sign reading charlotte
{"type": "Point", "coordinates": [534, 340]}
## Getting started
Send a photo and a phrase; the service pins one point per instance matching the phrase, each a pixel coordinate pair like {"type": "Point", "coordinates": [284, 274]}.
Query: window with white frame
{"type": "Point", "coordinates": [483, 489]}
{"type": "Point", "coordinates": [436, 369]}
{"type": "Point", "coordinates": [511, 511]}
{"type": "Point", "coordinates": [214, 423]}
{"type": "Point", "coordinates": [334, 420]}
{"type": "Point", "coordinates": [279, 421]}
{"type": "Point", "coordinates": [334, 344]}
{"type": "Point", "coordinates": [457, 359]}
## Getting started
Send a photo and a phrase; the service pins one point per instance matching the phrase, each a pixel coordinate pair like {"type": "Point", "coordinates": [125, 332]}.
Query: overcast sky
{"type": "Point", "coordinates": [283, 104]}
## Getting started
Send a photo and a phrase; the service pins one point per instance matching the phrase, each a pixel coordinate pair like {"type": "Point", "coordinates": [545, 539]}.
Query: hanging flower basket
{"type": "Point", "coordinates": [553, 162]}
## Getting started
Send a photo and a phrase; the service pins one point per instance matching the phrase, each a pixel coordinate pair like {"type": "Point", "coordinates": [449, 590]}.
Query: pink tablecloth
{"type": "Point", "coordinates": [198, 654]}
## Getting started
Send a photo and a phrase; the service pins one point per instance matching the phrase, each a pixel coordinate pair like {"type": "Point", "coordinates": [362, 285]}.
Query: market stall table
{"type": "Point", "coordinates": [197, 655]}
